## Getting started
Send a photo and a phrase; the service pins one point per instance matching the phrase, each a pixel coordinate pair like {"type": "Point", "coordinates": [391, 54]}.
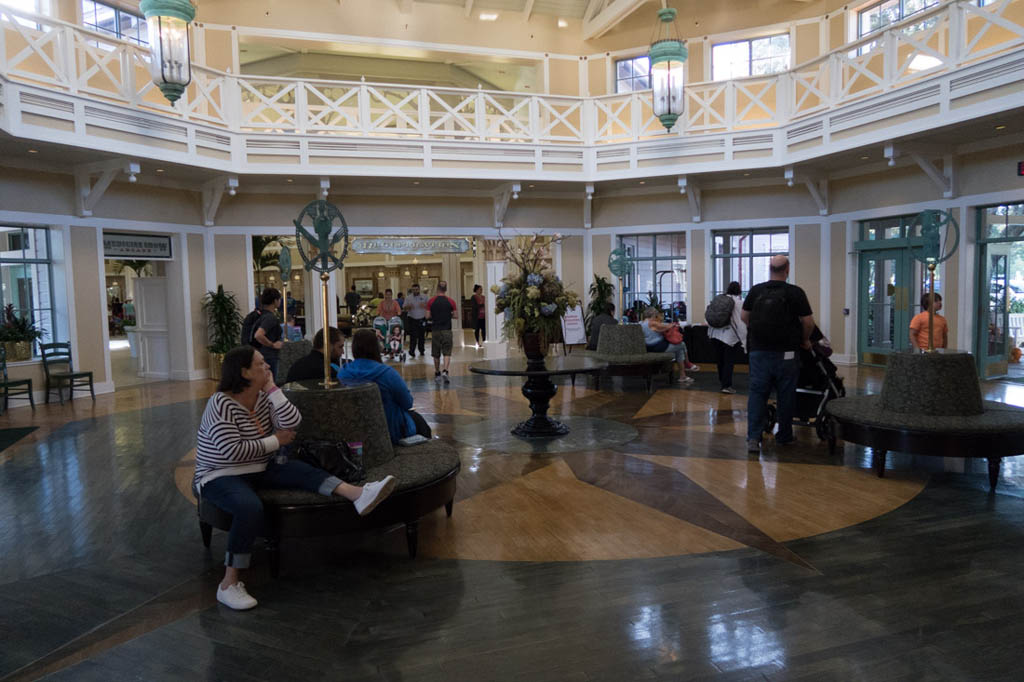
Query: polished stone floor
{"type": "Point", "coordinates": [651, 547]}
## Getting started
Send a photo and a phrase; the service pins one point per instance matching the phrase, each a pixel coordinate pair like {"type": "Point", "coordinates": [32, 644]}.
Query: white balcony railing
{"type": "Point", "coordinates": [60, 56]}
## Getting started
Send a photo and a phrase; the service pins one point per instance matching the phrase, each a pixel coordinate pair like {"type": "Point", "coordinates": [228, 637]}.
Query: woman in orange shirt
{"type": "Point", "coordinates": [919, 325]}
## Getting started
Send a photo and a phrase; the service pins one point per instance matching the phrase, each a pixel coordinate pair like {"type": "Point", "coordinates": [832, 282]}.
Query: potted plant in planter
{"type": "Point", "coordinates": [128, 325]}
{"type": "Point", "coordinates": [17, 334]}
{"type": "Point", "coordinates": [224, 326]}
{"type": "Point", "coordinates": [533, 300]}
{"type": "Point", "coordinates": [601, 293]}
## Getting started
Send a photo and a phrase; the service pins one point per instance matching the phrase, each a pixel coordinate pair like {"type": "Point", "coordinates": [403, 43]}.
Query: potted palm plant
{"type": "Point", "coordinates": [601, 293]}
{"type": "Point", "coordinates": [224, 326]}
{"type": "Point", "coordinates": [17, 333]}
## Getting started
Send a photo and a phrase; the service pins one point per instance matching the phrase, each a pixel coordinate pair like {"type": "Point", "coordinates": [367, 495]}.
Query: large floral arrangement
{"type": "Point", "coordinates": [533, 300]}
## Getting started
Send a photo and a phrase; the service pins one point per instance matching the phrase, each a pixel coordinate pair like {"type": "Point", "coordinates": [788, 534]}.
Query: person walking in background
{"type": "Point", "coordinates": [479, 315]}
{"type": "Point", "coordinates": [779, 322]}
{"type": "Point", "coordinates": [352, 300]}
{"type": "Point", "coordinates": [416, 305]}
{"type": "Point", "coordinates": [730, 339]}
{"type": "Point", "coordinates": [919, 325]}
{"type": "Point", "coordinates": [440, 311]}
{"type": "Point", "coordinates": [267, 337]}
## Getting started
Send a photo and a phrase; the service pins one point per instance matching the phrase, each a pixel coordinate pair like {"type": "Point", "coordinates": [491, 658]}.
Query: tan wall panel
{"type": "Point", "coordinates": [89, 317]}
{"type": "Point", "coordinates": [836, 30]}
{"type": "Point", "coordinates": [572, 265]}
{"type": "Point", "coordinates": [218, 49]}
{"type": "Point", "coordinates": [807, 47]}
{"type": "Point", "coordinates": [232, 268]}
{"type": "Point", "coordinates": [837, 277]}
{"type": "Point", "coordinates": [22, 190]}
{"type": "Point", "coordinates": [597, 76]}
{"type": "Point", "coordinates": [546, 213]}
{"type": "Point", "coordinates": [807, 263]}
{"type": "Point", "coordinates": [600, 249]}
{"type": "Point", "coordinates": [565, 77]}
{"type": "Point", "coordinates": [197, 283]}
{"type": "Point", "coordinates": [697, 261]}
{"type": "Point", "coordinates": [278, 211]}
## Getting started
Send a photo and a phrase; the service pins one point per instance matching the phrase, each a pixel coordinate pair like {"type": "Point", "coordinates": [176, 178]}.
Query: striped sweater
{"type": "Point", "coordinates": [232, 442]}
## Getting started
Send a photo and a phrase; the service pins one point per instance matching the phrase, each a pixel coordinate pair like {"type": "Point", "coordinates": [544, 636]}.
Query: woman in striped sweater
{"type": "Point", "coordinates": [244, 424]}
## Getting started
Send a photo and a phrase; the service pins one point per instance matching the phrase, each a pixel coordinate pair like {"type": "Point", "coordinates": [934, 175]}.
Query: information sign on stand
{"type": "Point", "coordinates": [572, 326]}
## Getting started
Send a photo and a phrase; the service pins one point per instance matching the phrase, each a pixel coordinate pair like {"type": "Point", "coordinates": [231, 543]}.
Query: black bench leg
{"type": "Point", "coordinates": [274, 556]}
{"type": "Point", "coordinates": [91, 391]}
{"type": "Point", "coordinates": [878, 462]}
{"type": "Point", "coordinates": [994, 464]}
{"type": "Point", "coordinates": [412, 530]}
{"type": "Point", "coordinates": [207, 532]}
{"type": "Point", "coordinates": [448, 506]}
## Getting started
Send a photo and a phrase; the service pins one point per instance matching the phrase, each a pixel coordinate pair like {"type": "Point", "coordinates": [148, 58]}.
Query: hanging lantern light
{"type": "Point", "coordinates": [667, 57]}
{"type": "Point", "coordinates": [169, 47]}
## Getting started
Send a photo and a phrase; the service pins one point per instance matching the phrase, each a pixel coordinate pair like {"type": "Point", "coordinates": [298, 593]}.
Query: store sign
{"type": "Point", "coordinates": [136, 246]}
{"type": "Point", "coordinates": [409, 246]}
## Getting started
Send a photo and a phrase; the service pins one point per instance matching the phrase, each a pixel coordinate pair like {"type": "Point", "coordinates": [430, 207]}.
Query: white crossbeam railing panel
{"type": "Point", "coordinates": [32, 51]}
{"type": "Point", "coordinates": [992, 29]}
{"type": "Point", "coordinates": [332, 109]}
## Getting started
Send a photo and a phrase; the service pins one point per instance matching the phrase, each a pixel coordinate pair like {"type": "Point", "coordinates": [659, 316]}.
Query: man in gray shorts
{"type": "Point", "coordinates": [440, 310]}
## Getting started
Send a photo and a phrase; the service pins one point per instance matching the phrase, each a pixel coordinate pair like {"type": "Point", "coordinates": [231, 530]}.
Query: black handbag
{"type": "Point", "coordinates": [337, 459]}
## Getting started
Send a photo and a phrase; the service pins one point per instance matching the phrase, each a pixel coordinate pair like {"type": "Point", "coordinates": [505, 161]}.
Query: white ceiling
{"type": "Point", "coordinates": [570, 9]}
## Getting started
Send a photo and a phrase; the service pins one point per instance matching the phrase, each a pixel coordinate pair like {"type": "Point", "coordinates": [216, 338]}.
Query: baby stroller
{"type": "Point", "coordinates": [818, 383]}
{"type": "Point", "coordinates": [389, 336]}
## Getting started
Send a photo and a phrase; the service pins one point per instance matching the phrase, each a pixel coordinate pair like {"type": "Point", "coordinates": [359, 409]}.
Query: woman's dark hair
{"type": "Point", "coordinates": [270, 296]}
{"type": "Point", "coordinates": [926, 297]}
{"type": "Point", "coordinates": [733, 289]}
{"type": "Point", "coordinates": [476, 287]}
{"type": "Point", "coordinates": [235, 360]}
{"type": "Point", "coordinates": [364, 345]}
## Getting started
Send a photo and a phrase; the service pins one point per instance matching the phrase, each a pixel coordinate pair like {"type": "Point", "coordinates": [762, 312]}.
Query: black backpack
{"type": "Point", "coordinates": [337, 459]}
{"type": "Point", "coordinates": [771, 321]}
{"type": "Point", "coordinates": [719, 312]}
{"type": "Point", "coordinates": [249, 326]}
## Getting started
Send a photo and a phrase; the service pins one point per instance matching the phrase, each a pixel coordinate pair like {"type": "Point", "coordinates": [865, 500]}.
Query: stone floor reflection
{"type": "Point", "coordinates": [653, 547]}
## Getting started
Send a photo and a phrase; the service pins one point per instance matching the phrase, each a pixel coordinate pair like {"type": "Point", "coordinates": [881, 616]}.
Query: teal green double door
{"type": "Point", "coordinates": [886, 303]}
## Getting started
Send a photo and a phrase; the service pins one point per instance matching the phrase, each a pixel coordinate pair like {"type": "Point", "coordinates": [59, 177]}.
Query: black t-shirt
{"type": "Point", "coordinates": [775, 309]}
{"type": "Point", "coordinates": [271, 326]}
{"type": "Point", "coordinates": [352, 299]}
{"type": "Point", "coordinates": [441, 309]}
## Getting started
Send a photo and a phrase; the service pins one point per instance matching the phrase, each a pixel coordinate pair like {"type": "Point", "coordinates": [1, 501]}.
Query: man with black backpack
{"type": "Point", "coordinates": [262, 330]}
{"type": "Point", "coordinates": [779, 323]}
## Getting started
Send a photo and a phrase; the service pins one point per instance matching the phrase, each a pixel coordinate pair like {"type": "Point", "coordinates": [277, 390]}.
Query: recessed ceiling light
{"type": "Point", "coordinates": [415, 182]}
{"type": "Point", "coordinates": [562, 23]}
{"type": "Point", "coordinates": [746, 175]}
{"type": "Point", "coordinates": [289, 180]}
{"type": "Point", "coordinates": [531, 186]}
{"type": "Point", "coordinates": [488, 16]}
{"type": "Point", "coordinates": [864, 158]}
{"type": "Point", "coordinates": [643, 182]}
{"type": "Point", "coordinates": [159, 170]}
{"type": "Point", "coordinates": [1000, 127]}
{"type": "Point", "coordinates": [33, 151]}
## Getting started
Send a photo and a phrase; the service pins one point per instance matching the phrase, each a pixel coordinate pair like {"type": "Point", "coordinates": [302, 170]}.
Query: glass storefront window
{"type": "Point", "coordinates": [26, 276]}
{"type": "Point", "coordinates": [744, 256]}
{"type": "Point", "coordinates": [659, 270]}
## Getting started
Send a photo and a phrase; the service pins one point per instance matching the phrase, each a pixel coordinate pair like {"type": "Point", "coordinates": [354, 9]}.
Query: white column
{"type": "Point", "coordinates": [495, 271]}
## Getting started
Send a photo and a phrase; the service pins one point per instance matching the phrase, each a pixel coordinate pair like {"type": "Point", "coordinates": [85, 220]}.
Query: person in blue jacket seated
{"type": "Point", "coordinates": [365, 367]}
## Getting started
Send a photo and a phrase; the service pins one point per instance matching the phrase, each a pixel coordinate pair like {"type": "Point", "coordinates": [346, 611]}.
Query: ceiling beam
{"type": "Point", "coordinates": [602, 16]}
{"type": "Point", "coordinates": [527, 9]}
{"type": "Point", "coordinates": [469, 7]}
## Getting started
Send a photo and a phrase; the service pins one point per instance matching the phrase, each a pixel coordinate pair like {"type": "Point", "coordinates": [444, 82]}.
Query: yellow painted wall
{"type": "Point", "coordinates": [806, 257]}
{"type": "Point", "coordinates": [697, 262]}
{"type": "Point", "coordinates": [89, 306]}
{"type": "Point", "coordinates": [232, 268]}
{"type": "Point", "coordinates": [572, 265]}
{"type": "Point", "coordinates": [197, 282]}
{"type": "Point", "coordinates": [837, 275]}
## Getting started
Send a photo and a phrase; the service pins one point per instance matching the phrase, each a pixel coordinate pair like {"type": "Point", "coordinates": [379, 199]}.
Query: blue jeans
{"type": "Point", "coordinates": [273, 362]}
{"type": "Point", "coordinates": [678, 349]}
{"type": "Point", "coordinates": [236, 495]}
{"type": "Point", "coordinates": [768, 369]}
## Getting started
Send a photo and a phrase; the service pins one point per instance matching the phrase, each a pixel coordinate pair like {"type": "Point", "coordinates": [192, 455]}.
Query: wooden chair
{"type": "Point", "coordinates": [19, 388]}
{"type": "Point", "coordinates": [55, 355]}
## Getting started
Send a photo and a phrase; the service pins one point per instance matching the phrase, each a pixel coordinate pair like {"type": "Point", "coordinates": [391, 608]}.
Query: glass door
{"type": "Point", "coordinates": [885, 304]}
{"type": "Point", "coordinates": [994, 309]}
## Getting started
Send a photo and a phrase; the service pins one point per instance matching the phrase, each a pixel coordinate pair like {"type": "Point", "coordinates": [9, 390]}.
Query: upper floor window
{"type": "Point", "coordinates": [754, 57]}
{"type": "Point", "coordinates": [26, 276]}
{"type": "Point", "coordinates": [114, 21]}
{"type": "Point", "coordinates": [34, 6]}
{"type": "Point", "coordinates": [879, 15]}
{"type": "Point", "coordinates": [633, 74]}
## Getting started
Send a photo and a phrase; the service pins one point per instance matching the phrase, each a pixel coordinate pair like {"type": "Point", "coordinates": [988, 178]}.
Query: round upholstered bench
{"type": "Point", "coordinates": [426, 474]}
{"type": "Point", "coordinates": [931, 404]}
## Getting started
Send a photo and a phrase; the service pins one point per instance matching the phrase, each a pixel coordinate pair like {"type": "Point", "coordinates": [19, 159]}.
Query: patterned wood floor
{"type": "Point", "coordinates": [672, 556]}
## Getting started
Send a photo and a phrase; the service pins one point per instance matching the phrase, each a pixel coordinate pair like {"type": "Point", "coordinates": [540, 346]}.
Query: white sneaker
{"type": "Point", "coordinates": [374, 493]}
{"type": "Point", "coordinates": [686, 381]}
{"type": "Point", "coordinates": [236, 597]}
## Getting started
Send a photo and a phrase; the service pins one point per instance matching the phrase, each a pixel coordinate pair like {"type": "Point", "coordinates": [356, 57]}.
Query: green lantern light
{"type": "Point", "coordinates": [668, 55]}
{"type": "Point", "coordinates": [169, 63]}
